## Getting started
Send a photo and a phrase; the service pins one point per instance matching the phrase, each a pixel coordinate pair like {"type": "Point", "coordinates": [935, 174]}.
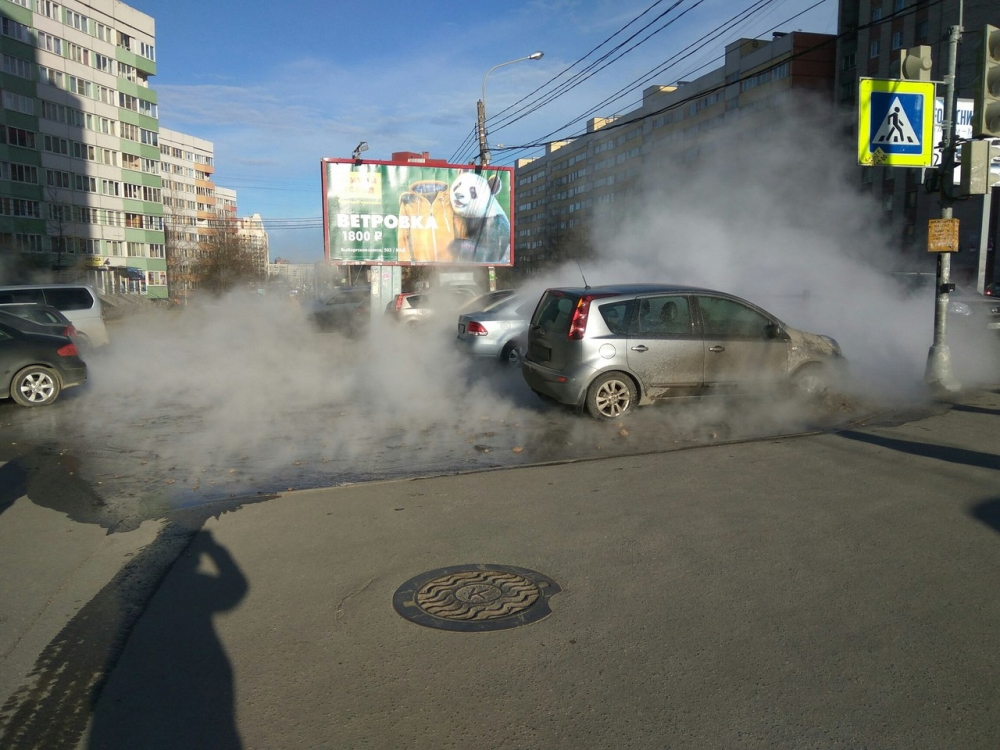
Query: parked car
{"type": "Point", "coordinates": [38, 318]}
{"type": "Point", "coordinates": [972, 311]}
{"type": "Point", "coordinates": [414, 308]}
{"type": "Point", "coordinates": [347, 310]}
{"type": "Point", "coordinates": [36, 367]}
{"type": "Point", "coordinates": [497, 329]}
{"type": "Point", "coordinates": [608, 349]}
{"type": "Point", "coordinates": [78, 302]}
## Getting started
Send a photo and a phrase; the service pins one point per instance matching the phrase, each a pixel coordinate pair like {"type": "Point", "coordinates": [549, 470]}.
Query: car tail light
{"type": "Point", "coordinates": [399, 302]}
{"type": "Point", "coordinates": [69, 331]}
{"type": "Point", "coordinates": [69, 350]}
{"type": "Point", "coordinates": [578, 323]}
{"type": "Point", "coordinates": [476, 329]}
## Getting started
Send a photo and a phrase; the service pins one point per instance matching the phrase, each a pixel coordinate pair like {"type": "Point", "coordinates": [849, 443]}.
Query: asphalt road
{"type": "Point", "coordinates": [755, 575]}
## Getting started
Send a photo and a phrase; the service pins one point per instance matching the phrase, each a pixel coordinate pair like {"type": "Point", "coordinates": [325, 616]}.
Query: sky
{"type": "Point", "coordinates": [276, 88]}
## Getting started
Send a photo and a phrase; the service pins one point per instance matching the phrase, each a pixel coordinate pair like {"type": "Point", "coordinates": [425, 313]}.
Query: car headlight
{"type": "Point", "coordinates": [833, 345]}
{"type": "Point", "coordinates": [959, 308]}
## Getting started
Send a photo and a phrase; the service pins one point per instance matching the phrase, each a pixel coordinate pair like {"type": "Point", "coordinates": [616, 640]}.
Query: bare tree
{"type": "Point", "coordinates": [58, 219]}
{"type": "Point", "coordinates": [180, 252]}
{"type": "Point", "coordinates": [227, 259]}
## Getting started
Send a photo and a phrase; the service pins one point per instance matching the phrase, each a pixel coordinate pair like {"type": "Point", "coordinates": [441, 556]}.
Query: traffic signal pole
{"type": "Point", "coordinates": [939, 374]}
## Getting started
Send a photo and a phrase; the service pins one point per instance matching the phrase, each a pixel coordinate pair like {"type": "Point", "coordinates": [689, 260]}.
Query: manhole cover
{"type": "Point", "coordinates": [474, 598]}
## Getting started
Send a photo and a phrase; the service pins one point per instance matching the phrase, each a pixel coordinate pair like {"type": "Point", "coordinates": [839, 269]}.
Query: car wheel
{"type": "Point", "coordinates": [35, 386]}
{"type": "Point", "coordinates": [610, 396]}
{"type": "Point", "coordinates": [811, 380]}
{"type": "Point", "coordinates": [511, 355]}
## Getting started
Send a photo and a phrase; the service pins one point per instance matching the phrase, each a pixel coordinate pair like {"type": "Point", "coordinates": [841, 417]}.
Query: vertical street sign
{"type": "Point", "coordinates": [895, 123]}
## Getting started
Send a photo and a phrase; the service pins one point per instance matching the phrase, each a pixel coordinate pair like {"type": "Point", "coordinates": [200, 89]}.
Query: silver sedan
{"type": "Point", "coordinates": [498, 330]}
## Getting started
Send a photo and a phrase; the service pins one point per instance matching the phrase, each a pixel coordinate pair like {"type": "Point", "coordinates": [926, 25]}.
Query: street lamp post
{"type": "Point", "coordinates": [484, 151]}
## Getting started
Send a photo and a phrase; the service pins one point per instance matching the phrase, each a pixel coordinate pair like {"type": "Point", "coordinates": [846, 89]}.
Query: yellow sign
{"type": "Point", "coordinates": [942, 236]}
{"type": "Point", "coordinates": [895, 123]}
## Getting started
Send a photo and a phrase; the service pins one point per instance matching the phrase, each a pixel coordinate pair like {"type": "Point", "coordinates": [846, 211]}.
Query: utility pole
{"type": "Point", "coordinates": [939, 373]}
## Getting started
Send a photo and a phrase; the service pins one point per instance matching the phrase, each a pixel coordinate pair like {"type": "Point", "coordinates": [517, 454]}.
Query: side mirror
{"type": "Point", "coordinates": [773, 331]}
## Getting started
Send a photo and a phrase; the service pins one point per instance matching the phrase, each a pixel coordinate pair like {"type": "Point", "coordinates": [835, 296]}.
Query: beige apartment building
{"type": "Point", "coordinates": [560, 193]}
{"type": "Point", "coordinates": [79, 157]}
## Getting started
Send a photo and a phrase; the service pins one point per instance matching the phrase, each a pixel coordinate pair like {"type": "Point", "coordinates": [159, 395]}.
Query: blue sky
{"type": "Point", "coordinates": [277, 87]}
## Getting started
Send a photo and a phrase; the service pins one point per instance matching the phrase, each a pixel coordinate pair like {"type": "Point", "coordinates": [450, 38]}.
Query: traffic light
{"type": "Point", "coordinates": [915, 63]}
{"type": "Point", "coordinates": [986, 114]}
{"type": "Point", "coordinates": [977, 157]}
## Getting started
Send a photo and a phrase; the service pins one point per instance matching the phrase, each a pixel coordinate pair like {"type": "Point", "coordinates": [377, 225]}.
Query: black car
{"type": "Point", "coordinates": [38, 319]}
{"type": "Point", "coordinates": [36, 367]}
{"type": "Point", "coordinates": [347, 310]}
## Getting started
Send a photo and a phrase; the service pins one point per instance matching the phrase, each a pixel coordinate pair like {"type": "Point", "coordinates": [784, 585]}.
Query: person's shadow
{"type": "Point", "coordinates": [173, 686]}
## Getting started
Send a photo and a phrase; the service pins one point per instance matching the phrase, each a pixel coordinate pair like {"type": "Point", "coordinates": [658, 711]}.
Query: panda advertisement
{"type": "Point", "coordinates": [384, 212]}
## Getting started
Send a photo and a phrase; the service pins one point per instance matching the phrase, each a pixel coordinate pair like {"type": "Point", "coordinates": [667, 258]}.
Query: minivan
{"type": "Point", "coordinates": [78, 302]}
{"type": "Point", "coordinates": [607, 349]}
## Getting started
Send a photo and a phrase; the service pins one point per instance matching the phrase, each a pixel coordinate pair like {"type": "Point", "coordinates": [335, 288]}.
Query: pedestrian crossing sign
{"type": "Point", "coordinates": [896, 123]}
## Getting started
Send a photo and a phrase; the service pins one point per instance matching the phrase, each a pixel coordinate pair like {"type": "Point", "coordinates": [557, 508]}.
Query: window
{"type": "Point", "coordinates": [85, 184]}
{"type": "Point", "coordinates": [111, 187]}
{"type": "Point", "coordinates": [663, 316]}
{"type": "Point", "coordinates": [102, 63]}
{"type": "Point", "coordinates": [876, 14]}
{"type": "Point", "coordinates": [15, 66]}
{"type": "Point", "coordinates": [898, 5]}
{"type": "Point", "coordinates": [897, 39]}
{"type": "Point", "coordinates": [724, 318]}
{"type": "Point", "coordinates": [47, 8]}
{"type": "Point", "coordinates": [20, 173]}
{"type": "Point", "coordinates": [874, 49]}
{"type": "Point", "coordinates": [56, 145]}
{"type": "Point", "coordinates": [57, 179]}
{"type": "Point", "coordinates": [18, 103]}
{"type": "Point", "coordinates": [19, 137]}
{"type": "Point", "coordinates": [76, 53]}
{"type": "Point", "coordinates": [848, 61]}
{"type": "Point", "coordinates": [15, 30]}
{"type": "Point", "coordinates": [49, 76]}
{"type": "Point", "coordinates": [147, 51]}
{"type": "Point", "coordinates": [921, 31]}
{"type": "Point", "coordinates": [127, 72]}
{"type": "Point", "coordinates": [102, 32]}
{"type": "Point", "coordinates": [76, 20]}
{"type": "Point", "coordinates": [49, 43]}
{"type": "Point", "coordinates": [20, 207]}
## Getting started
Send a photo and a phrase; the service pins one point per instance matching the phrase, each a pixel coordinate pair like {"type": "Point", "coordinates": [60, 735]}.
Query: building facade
{"type": "Point", "coordinates": [251, 231]}
{"type": "Point", "coordinates": [79, 153]}
{"type": "Point", "coordinates": [558, 194]}
{"type": "Point", "coordinates": [873, 33]}
{"type": "Point", "coordinates": [187, 164]}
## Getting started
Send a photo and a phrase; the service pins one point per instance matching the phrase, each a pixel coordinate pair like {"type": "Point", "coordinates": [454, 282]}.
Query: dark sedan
{"type": "Point", "coordinates": [36, 367]}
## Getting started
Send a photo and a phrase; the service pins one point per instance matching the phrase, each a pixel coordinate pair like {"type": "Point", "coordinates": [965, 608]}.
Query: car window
{"type": "Point", "coordinates": [725, 317]}
{"type": "Point", "coordinates": [554, 312]}
{"type": "Point", "coordinates": [69, 298]}
{"type": "Point", "coordinates": [667, 316]}
{"type": "Point", "coordinates": [22, 295]}
{"type": "Point", "coordinates": [615, 315]}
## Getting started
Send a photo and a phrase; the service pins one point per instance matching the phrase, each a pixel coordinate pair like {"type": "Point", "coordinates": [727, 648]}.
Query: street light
{"type": "Point", "coordinates": [484, 153]}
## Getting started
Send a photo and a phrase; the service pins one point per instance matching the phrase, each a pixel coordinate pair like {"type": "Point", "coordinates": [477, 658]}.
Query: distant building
{"type": "Point", "coordinates": [225, 202]}
{"type": "Point", "coordinates": [557, 194]}
{"type": "Point", "coordinates": [251, 230]}
{"type": "Point", "coordinates": [187, 164]}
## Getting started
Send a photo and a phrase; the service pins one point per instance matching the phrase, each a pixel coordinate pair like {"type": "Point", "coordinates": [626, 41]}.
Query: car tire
{"type": "Point", "coordinates": [811, 380]}
{"type": "Point", "coordinates": [511, 356]}
{"type": "Point", "coordinates": [611, 396]}
{"type": "Point", "coordinates": [35, 386]}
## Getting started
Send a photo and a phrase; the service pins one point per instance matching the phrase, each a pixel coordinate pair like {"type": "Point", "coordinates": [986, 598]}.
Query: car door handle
{"type": "Point", "coordinates": [640, 348]}
{"type": "Point", "coordinates": [717, 348]}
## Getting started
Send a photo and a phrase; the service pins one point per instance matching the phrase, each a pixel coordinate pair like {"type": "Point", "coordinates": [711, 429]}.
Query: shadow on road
{"type": "Point", "coordinates": [974, 409]}
{"type": "Point", "coordinates": [928, 450]}
{"type": "Point", "coordinates": [173, 686]}
{"type": "Point", "coordinates": [988, 513]}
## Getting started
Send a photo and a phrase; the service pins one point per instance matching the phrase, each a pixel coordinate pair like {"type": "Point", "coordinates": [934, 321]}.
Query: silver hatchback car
{"type": "Point", "coordinates": [610, 348]}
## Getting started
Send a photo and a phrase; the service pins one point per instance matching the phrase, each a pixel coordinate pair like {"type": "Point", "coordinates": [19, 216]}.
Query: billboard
{"type": "Point", "coordinates": [379, 212]}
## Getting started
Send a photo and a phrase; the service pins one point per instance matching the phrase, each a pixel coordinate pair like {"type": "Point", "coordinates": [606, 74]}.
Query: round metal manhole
{"type": "Point", "coordinates": [474, 598]}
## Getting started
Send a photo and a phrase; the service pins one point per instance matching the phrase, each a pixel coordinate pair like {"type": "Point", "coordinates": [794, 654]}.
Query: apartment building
{"type": "Point", "coordinates": [190, 204]}
{"type": "Point", "coordinates": [558, 194]}
{"type": "Point", "coordinates": [79, 140]}
{"type": "Point", "coordinates": [250, 230]}
{"type": "Point", "coordinates": [873, 33]}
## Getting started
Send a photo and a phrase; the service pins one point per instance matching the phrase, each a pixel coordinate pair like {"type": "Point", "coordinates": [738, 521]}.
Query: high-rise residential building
{"type": "Point", "coordinates": [558, 194]}
{"type": "Point", "coordinates": [190, 212]}
{"type": "Point", "coordinates": [873, 34]}
{"type": "Point", "coordinates": [250, 230]}
{"type": "Point", "coordinates": [79, 140]}
{"type": "Point", "coordinates": [225, 202]}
